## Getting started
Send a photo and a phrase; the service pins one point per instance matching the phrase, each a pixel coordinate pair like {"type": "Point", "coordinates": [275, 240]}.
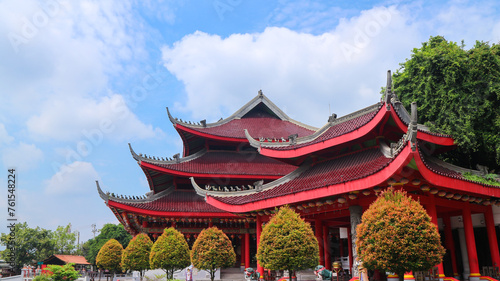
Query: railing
{"type": "Point", "coordinates": [430, 275]}
{"type": "Point", "coordinates": [491, 271]}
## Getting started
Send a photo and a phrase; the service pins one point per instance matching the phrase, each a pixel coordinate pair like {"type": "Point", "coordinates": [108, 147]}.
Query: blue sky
{"type": "Point", "coordinates": [81, 79]}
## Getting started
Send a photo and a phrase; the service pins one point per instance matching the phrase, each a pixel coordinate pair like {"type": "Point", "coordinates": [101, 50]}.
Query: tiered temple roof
{"type": "Point", "coordinates": [259, 158]}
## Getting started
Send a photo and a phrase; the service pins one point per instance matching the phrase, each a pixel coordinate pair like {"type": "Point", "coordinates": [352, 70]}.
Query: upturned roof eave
{"type": "Point", "coordinates": [423, 134]}
{"type": "Point", "coordinates": [401, 160]}
{"type": "Point", "coordinates": [307, 149]}
{"type": "Point", "coordinates": [463, 185]}
{"type": "Point", "coordinates": [140, 211]}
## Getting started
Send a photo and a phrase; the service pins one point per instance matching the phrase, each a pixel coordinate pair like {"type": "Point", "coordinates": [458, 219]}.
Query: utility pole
{"type": "Point", "coordinates": [94, 229]}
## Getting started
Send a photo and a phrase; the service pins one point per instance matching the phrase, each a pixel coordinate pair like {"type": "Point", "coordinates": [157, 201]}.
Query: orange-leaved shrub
{"type": "Point", "coordinates": [397, 235]}
{"type": "Point", "coordinates": [211, 250]}
{"type": "Point", "coordinates": [110, 256]}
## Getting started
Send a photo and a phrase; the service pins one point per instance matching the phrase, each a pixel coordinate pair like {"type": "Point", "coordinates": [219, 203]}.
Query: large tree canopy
{"type": "Point", "coordinates": [36, 244]}
{"type": "Point", "coordinates": [458, 93]}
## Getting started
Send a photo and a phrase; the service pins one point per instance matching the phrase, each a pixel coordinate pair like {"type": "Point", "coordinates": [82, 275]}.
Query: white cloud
{"type": "Point", "coordinates": [75, 178]}
{"type": "Point", "coordinates": [344, 67]}
{"type": "Point", "coordinates": [22, 156]}
{"type": "Point", "coordinates": [299, 71]}
{"type": "Point", "coordinates": [58, 60]}
{"type": "Point", "coordinates": [5, 138]}
{"type": "Point", "coordinates": [80, 118]}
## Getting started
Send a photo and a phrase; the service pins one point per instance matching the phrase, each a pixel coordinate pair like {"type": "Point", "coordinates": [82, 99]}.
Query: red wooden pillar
{"type": "Point", "coordinates": [471, 243]}
{"type": "Point", "coordinates": [247, 246]}
{"type": "Point", "coordinates": [210, 223]}
{"type": "Point", "coordinates": [450, 244]}
{"type": "Point", "coordinates": [431, 210]}
{"type": "Point", "coordinates": [260, 269]}
{"type": "Point", "coordinates": [349, 246]}
{"type": "Point", "coordinates": [326, 244]}
{"type": "Point", "coordinates": [242, 250]}
{"type": "Point", "coordinates": [492, 236]}
{"type": "Point", "coordinates": [319, 236]}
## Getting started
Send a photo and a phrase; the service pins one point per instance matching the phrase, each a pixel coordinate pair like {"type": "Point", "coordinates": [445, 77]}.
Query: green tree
{"type": "Point", "coordinates": [110, 256]}
{"type": "Point", "coordinates": [170, 252]}
{"type": "Point", "coordinates": [136, 255]}
{"type": "Point", "coordinates": [64, 240]}
{"type": "Point", "coordinates": [397, 235]}
{"type": "Point", "coordinates": [288, 243]}
{"type": "Point", "coordinates": [458, 93]}
{"type": "Point", "coordinates": [108, 231]}
{"type": "Point", "coordinates": [63, 273]}
{"type": "Point", "coordinates": [211, 250]}
{"type": "Point", "coordinates": [30, 244]}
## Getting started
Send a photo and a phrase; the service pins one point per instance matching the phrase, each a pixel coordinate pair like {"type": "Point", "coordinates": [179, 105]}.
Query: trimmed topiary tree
{"type": "Point", "coordinates": [136, 255]}
{"type": "Point", "coordinates": [288, 243]}
{"type": "Point", "coordinates": [170, 252]}
{"type": "Point", "coordinates": [397, 235]}
{"type": "Point", "coordinates": [211, 250]}
{"type": "Point", "coordinates": [110, 256]}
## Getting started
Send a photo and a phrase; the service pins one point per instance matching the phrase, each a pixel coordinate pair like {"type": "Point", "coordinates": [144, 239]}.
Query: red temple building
{"type": "Point", "coordinates": [235, 172]}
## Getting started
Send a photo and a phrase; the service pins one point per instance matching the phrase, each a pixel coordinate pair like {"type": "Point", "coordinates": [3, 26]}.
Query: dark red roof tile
{"type": "Point", "coordinates": [335, 171]}
{"type": "Point", "coordinates": [227, 162]}
{"type": "Point", "coordinates": [267, 127]}
{"type": "Point", "coordinates": [334, 131]}
{"type": "Point", "coordinates": [177, 201]}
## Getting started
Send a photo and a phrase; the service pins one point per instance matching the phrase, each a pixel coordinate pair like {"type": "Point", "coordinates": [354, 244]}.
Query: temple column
{"type": "Point", "coordinates": [349, 251]}
{"type": "Point", "coordinates": [247, 246]}
{"type": "Point", "coordinates": [326, 244]}
{"type": "Point", "coordinates": [450, 244]}
{"type": "Point", "coordinates": [355, 212]}
{"type": "Point", "coordinates": [471, 243]}
{"type": "Point", "coordinates": [431, 210]}
{"type": "Point", "coordinates": [242, 251]}
{"type": "Point", "coordinates": [492, 236]}
{"type": "Point", "coordinates": [210, 223]}
{"type": "Point", "coordinates": [258, 223]}
{"type": "Point", "coordinates": [465, 255]}
{"type": "Point", "coordinates": [341, 247]}
{"type": "Point", "coordinates": [318, 225]}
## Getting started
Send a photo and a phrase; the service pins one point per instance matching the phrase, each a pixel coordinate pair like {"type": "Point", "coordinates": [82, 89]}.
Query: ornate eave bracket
{"type": "Point", "coordinates": [410, 136]}
{"type": "Point", "coordinates": [390, 96]}
{"type": "Point", "coordinates": [412, 127]}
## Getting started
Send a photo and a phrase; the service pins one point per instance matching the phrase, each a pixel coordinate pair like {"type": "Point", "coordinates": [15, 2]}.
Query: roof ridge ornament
{"type": "Point", "coordinates": [261, 95]}
{"type": "Point", "coordinates": [412, 127]}
{"type": "Point", "coordinates": [388, 90]}
{"type": "Point", "coordinates": [332, 118]}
